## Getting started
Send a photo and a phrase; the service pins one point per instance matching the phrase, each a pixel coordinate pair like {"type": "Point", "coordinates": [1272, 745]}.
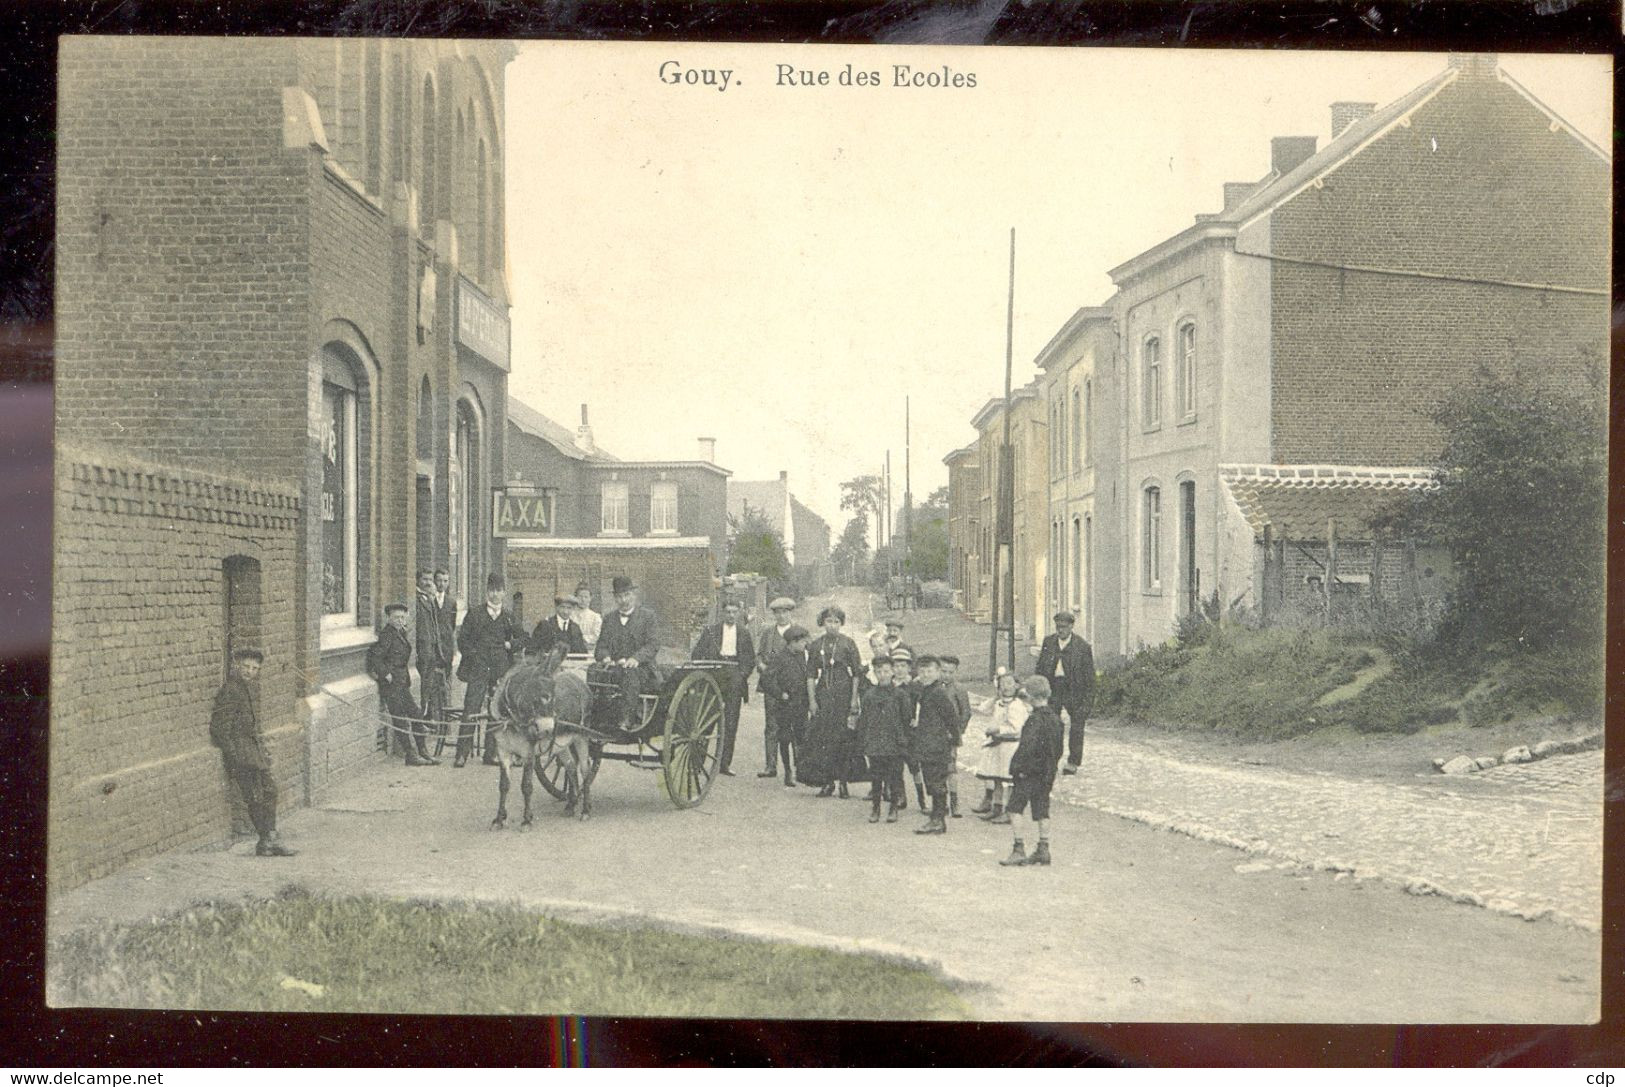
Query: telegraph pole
{"type": "Point", "coordinates": [1004, 545]}
{"type": "Point", "coordinates": [908, 513]}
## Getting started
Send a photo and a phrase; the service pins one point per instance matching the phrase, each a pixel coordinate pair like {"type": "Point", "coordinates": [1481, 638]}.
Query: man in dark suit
{"type": "Point", "coordinates": [234, 726]}
{"type": "Point", "coordinates": [487, 640]}
{"type": "Point", "coordinates": [389, 664]}
{"type": "Point", "coordinates": [1068, 663]}
{"type": "Point", "coordinates": [447, 605]}
{"type": "Point", "coordinates": [770, 644]}
{"type": "Point", "coordinates": [626, 651]}
{"type": "Point", "coordinates": [434, 646]}
{"type": "Point", "coordinates": [729, 641]}
{"type": "Point", "coordinates": [558, 627]}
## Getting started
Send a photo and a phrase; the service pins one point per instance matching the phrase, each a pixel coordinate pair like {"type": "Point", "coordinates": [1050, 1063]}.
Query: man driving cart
{"type": "Point", "coordinates": [625, 654]}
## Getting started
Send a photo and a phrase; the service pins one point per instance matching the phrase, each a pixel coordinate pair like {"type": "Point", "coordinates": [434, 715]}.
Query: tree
{"type": "Point", "coordinates": [864, 496]}
{"type": "Point", "coordinates": [928, 550]}
{"type": "Point", "coordinates": [1522, 503]}
{"type": "Point", "coordinates": [754, 546]}
{"type": "Point", "coordinates": [851, 553]}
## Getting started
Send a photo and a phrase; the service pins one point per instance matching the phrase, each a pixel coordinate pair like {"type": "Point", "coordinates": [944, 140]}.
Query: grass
{"type": "Point", "coordinates": [302, 952]}
{"type": "Point", "coordinates": [1278, 683]}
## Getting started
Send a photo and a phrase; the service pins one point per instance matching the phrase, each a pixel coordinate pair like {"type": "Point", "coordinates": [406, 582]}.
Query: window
{"type": "Point", "coordinates": [1077, 429]}
{"type": "Point", "coordinates": [1077, 563]}
{"type": "Point", "coordinates": [340, 484]}
{"type": "Point", "coordinates": [1185, 373]}
{"type": "Point", "coordinates": [1151, 397]}
{"type": "Point", "coordinates": [1088, 419]}
{"type": "Point", "coordinates": [1151, 540]}
{"type": "Point", "coordinates": [663, 509]}
{"type": "Point", "coordinates": [614, 508]}
{"type": "Point", "coordinates": [429, 211]}
{"type": "Point", "coordinates": [467, 530]}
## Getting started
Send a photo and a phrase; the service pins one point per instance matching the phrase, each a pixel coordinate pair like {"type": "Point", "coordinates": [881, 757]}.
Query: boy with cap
{"type": "Point", "coordinates": [234, 727]}
{"type": "Point", "coordinates": [1032, 768]}
{"type": "Point", "coordinates": [883, 724]}
{"type": "Point", "coordinates": [769, 644]}
{"type": "Point", "coordinates": [487, 640]}
{"type": "Point", "coordinates": [559, 627]}
{"type": "Point", "coordinates": [786, 690]}
{"type": "Point", "coordinates": [935, 726]}
{"type": "Point", "coordinates": [903, 677]}
{"type": "Point", "coordinates": [388, 663]}
{"type": "Point", "coordinates": [950, 667]}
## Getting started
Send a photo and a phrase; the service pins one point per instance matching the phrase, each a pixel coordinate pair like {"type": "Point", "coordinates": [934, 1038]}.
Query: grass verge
{"type": "Point", "coordinates": [303, 952]}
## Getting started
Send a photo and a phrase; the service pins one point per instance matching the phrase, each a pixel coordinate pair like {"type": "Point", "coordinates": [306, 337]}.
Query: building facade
{"type": "Point", "coordinates": [1220, 430]}
{"type": "Point", "coordinates": [1029, 443]}
{"type": "Point", "coordinates": [282, 352]}
{"type": "Point", "coordinates": [573, 512]}
{"type": "Point", "coordinates": [805, 534]}
{"type": "Point", "coordinates": [964, 530]}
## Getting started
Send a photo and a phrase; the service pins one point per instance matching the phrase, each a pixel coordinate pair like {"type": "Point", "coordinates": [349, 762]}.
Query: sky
{"type": "Point", "coordinates": [779, 266]}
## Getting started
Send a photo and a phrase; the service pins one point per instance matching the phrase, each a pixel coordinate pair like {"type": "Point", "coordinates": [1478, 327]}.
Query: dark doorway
{"type": "Point", "coordinates": [243, 605]}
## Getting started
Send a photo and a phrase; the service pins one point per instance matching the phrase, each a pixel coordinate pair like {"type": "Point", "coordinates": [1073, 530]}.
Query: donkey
{"type": "Point", "coordinates": [535, 706]}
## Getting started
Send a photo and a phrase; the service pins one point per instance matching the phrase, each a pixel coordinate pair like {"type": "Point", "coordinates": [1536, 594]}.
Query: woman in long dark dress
{"type": "Point", "coordinates": [834, 665]}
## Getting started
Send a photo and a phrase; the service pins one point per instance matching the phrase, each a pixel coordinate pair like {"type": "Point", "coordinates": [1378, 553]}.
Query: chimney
{"type": "Point", "coordinates": [1474, 65]}
{"type": "Point", "coordinates": [584, 433]}
{"type": "Point", "coordinates": [1234, 193]}
{"type": "Point", "coordinates": [1346, 113]}
{"type": "Point", "coordinates": [1287, 152]}
{"type": "Point", "coordinates": [708, 450]}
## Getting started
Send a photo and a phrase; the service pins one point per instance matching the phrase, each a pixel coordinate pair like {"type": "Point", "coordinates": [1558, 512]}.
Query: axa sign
{"type": "Point", "coordinates": [527, 513]}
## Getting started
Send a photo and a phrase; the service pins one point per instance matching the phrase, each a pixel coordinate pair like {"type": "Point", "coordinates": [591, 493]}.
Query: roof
{"type": "Point", "coordinates": [963, 453]}
{"type": "Point", "coordinates": [996, 404]}
{"type": "Point", "coordinates": [534, 423]}
{"type": "Point", "coordinates": [1051, 351]}
{"type": "Point", "coordinates": [1297, 500]}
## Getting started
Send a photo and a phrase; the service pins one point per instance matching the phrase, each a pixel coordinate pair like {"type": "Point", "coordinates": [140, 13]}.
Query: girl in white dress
{"type": "Point", "coordinates": [1005, 715]}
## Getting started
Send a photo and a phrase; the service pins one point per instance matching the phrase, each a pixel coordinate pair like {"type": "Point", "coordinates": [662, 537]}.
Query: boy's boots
{"type": "Point", "coordinates": [985, 806]}
{"type": "Point", "coordinates": [1000, 817]}
{"type": "Point", "coordinates": [953, 805]}
{"type": "Point", "coordinates": [874, 807]}
{"type": "Point", "coordinates": [939, 822]}
{"type": "Point", "coordinates": [1041, 854]}
{"type": "Point", "coordinates": [1018, 856]}
{"type": "Point", "coordinates": [891, 812]}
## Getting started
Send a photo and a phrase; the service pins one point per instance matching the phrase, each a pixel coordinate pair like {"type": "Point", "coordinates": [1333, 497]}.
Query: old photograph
{"type": "Point", "coordinates": [845, 532]}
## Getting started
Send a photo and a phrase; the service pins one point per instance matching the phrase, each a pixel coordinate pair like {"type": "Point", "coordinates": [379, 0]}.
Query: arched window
{"type": "Point", "coordinates": [1185, 372]}
{"type": "Point", "coordinates": [346, 465]}
{"type": "Point", "coordinates": [1077, 429]}
{"type": "Point", "coordinates": [400, 121]}
{"type": "Point", "coordinates": [454, 188]}
{"type": "Point", "coordinates": [1151, 392]}
{"type": "Point", "coordinates": [1151, 539]}
{"type": "Point", "coordinates": [430, 211]}
{"type": "Point", "coordinates": [1086, 430]}
{"type": "Point", "coordinates": [480, 182]}
{"type": "Point", "coordinates": [465, 492]}
{"type": "Point", "coordinates": [1077, 563]}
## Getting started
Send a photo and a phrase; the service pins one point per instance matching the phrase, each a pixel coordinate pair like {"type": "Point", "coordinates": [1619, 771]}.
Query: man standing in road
{"type": "Point", "coordinates": [770, 644]}
{"type": "Point", "coordinates": [626, 651]}
{"type": "Point", "coordinates": [729, 641]}
{"type": "Point", "coordinates": [234, 727]}
{"type": "Point", "coordinates": [935, 727]}
{"type": "Point", "coordinates": [434, 646]}
{"type": "Point", "coordinates": [487, 640]}
{"type": "Point", "coordinates": [1069, 665]}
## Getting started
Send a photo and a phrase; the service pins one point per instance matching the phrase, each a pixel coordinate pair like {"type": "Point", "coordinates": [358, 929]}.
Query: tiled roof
{"type": "Point", "coordinates": [1297, 500]}
{"type": "Point", "coordinates": [533, 422]}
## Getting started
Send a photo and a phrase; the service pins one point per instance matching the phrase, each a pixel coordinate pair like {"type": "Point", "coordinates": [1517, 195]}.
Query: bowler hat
{"type": "Point", "coordinates": [621, 585]}
{"type": "Point", "coordinates": [782, 603]}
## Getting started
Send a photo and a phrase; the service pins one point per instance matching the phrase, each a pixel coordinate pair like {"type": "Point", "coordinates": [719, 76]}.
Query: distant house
{"type": "Point", "coordinates": [572, 512]}
{"type": "Point", "coordinates": [804, 533]}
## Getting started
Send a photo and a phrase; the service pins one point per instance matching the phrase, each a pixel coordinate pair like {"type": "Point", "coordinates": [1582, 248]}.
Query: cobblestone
{"type": "Point", "coordinates": [1527, 843]}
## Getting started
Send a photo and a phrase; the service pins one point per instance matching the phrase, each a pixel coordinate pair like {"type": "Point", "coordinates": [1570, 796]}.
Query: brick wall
{"type": "Point", "coordinates": [1478, 185]}
{"type": "Point", "coordinates": [140, 649]}
{"type": "Point", "coordinates": [678, 582]}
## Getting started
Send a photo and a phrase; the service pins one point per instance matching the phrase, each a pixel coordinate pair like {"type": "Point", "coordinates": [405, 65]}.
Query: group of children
{"type": "Point", "coordinates": [909, 713]}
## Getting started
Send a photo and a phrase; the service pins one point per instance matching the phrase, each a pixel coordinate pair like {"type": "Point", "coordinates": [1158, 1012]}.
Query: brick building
{"type": "Point", "coordinates": [805, 534]}
{"type": "Point", "coordinates": [573, 512]}
{"type": "Point", "coordinates": [1280, 356]}
{"type": "Point", "coordinates": [964, 529]}
{"type": "Point", "coordinates": [282, 352]}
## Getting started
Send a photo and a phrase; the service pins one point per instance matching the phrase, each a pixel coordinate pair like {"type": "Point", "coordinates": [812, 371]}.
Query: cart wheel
{"type": "Point", "coordinates": [691, 749]}
{"type": "Point", "coordinates": [446, 731]}
{"type": "Point", "coordinates": [552, 777]}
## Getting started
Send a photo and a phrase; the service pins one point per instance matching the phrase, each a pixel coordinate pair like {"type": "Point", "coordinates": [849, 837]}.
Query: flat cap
{"type": "Point", "coordinates": [782, 603]}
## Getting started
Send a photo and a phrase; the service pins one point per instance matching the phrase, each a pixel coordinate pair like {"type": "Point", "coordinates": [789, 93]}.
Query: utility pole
{"type": "Point", "coordinates": [1004, 545]}
{"type": "Point", "coordinates": [886, 501]}
{"type": "Point", "coordinates": [908, 514]}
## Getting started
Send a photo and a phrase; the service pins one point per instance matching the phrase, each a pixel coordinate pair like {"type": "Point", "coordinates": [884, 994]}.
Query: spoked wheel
{"type": "Point", "coordinates": [691, 748]}
{"type": "Point", "coordinates": [552, 775]}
